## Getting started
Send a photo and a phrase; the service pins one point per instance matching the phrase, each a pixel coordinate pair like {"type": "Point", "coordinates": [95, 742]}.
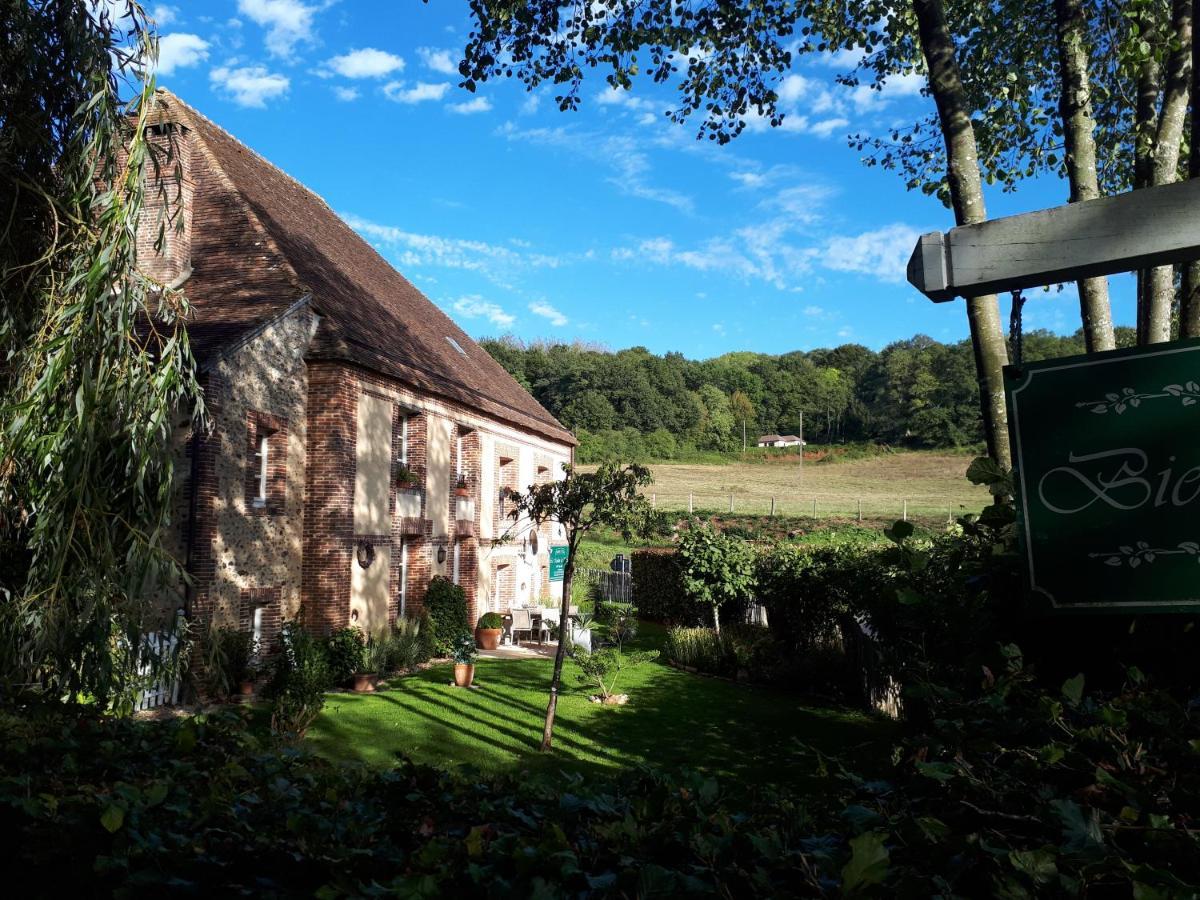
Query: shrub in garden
{"type": "Point", "coordinates": [717, 571]}
{"type": "Point", "coordinates": [490, 621]}
{"type": "Point", "coordinates": [603, 668]}
{"type": "Point", "coordinates": [407, 648]}
{"type": "Point", "coordinates": [299, 679]}
{"type": "Point", "coordinates": [344, 654]}
{"type": "Point", "coordinates": [446, 604]}
{"type": "Point", "coordinates": [1014, 792]}
{"type": "Point", "coordinates": [229, 655]}
{"type": "Point", "coordinates": [378, 653]}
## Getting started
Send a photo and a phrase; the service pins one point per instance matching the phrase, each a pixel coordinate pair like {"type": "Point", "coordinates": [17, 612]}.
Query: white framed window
{"type": "Point", "coordinates": [258, 625]}
{"type": "Point", "coordinates": [459, 453]}
{"type": "Point", "coordinates": [403, 577]}
{"type": "Point", "coordinates": [261, 458]}
{"type": "Point", "coordinates": [457, 562]}
{"type": "Point", "coordinates": [404, 439]}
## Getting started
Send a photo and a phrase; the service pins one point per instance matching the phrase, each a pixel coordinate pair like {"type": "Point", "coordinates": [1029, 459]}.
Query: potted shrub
{"type": "Point", "coordinates": [460, 488]}
{"type": "Point", "coordinates": [406, 478]}
{"type": "Point", "coordinates": [489, 630]}
{"type": "Point", "coordinates": [464, 660]}
{"type": "Point", "coordinates": [376, 656]}
{"type": "Point", "coordinates": [229, 662]}
{"type": "Point", "coordinates": [344, 654]}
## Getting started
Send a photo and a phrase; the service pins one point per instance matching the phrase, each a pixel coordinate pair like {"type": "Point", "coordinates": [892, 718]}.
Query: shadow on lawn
{"type": "Point", "coordinates": [674, 721]}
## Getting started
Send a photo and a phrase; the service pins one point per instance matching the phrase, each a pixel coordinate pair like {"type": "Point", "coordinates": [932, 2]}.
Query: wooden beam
{"type": "Point", "coordinates": [1137, 230]}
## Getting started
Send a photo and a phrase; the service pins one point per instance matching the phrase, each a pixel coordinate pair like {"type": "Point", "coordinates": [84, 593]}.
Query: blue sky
{"type": "Point", "coordinates": [610, 225]}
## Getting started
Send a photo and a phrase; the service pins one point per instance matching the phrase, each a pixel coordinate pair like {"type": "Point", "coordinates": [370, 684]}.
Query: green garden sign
{"type": "Point", "coordinates": [558, 561]}
{"type": "Point", "coordinates": [1106, 455]}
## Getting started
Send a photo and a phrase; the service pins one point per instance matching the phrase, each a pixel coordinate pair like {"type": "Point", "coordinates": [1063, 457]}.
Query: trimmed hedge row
{"type": "Point", "coordinates": [659, 594]}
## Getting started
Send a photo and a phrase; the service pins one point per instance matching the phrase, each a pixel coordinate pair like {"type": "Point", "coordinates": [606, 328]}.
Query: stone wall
{"type": "Point", "coordinates": [246, 555]}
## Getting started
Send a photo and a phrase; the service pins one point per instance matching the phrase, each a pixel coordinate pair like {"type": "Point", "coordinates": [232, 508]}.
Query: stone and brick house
{"type": "Point", "coordinates": [327, 376]}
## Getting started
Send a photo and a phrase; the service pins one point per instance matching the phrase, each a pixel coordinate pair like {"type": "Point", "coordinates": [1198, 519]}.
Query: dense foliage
{"type": "Point", "coordinates": [657, 580]}
{"type": "Point", "coordinates": [96, 370]}
{"type": "Point", "coordinates": [229, 656]}
{"type": "Point", "coordinates": [635, 405]}
{"type": "Point", "coordinates": [1012, 790]}
{"type": "Point", "coordinates": [344, 653]}
{"type": "Point", "coordinates": [716, 569]}
{"type": "Point", "coordinates": [446, 604]}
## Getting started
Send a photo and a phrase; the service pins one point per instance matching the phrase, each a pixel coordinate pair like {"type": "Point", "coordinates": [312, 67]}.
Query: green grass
{"type": "Point", "coordinates": [673, 721]}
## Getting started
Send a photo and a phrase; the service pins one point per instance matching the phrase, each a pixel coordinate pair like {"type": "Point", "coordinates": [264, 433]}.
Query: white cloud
{"type": "Point", "coordinates": [624, 155]}
{"type": "Point", "coordinates": [288, 23]}
{"type": "Point", "coordinates": [845, 332]}
{"type": "Point", "coordinates": [164, 15]}
{"type": "Point", "coordinates": [749, 179]}
{"type": "Point", "coordinates": [366, 63]}
{"type": "Point", "coordinates": [497, 263]}
{"type": "Point", "coordinates": [474, 307]}
{"type": "Point", "coordinates": [844, 59]}
{"type": "Point", "coordinates": [470, 107]}
{"type": "Point", "coordinates": [346, 94]}
{"type": "Point", "coordinates": [826, 127]}
{"type": "Point", "coordinates": [546, 311]}
{"type": "Point", "coordinates": [530, 104]}
{"type": "Point", "coordinates": [179, 51]}
{"type": "Point", "coordinates": [719, 328]}
{"type": "Point", "coordinates": [441, 61]}
{"type": "Point", "coordinates": [420, 93]}
{"type": "Point", "coordinates": [882, 253]}
{"type": "Point", "coordinates": [814, 311]}
{"type": "Point", "coordinates": [249, 85]}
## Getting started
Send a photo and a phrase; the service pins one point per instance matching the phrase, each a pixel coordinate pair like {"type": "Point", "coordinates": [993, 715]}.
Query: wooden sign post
{"type": "Point", "coordinates": [1150, 227]}
{"type": "Point", "coordinates": [1106, 447]}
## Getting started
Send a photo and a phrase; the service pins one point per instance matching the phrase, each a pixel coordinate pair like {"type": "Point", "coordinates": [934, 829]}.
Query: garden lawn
{"type": "Point", "coordinates": [673, 720]}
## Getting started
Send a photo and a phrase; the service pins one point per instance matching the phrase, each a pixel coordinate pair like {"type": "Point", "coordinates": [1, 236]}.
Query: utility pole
{"type": "Point", "coordinates": [802, 448]}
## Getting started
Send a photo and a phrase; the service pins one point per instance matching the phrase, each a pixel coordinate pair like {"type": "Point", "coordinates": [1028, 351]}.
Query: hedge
{"type": "Point", "coordinates": [659, 595]}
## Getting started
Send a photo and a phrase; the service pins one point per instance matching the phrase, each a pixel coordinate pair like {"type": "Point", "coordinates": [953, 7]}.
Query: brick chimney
{"type": "Point", "coordinates": [164, 240]}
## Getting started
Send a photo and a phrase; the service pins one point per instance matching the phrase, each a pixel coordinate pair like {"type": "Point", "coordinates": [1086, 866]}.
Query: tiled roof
{"type": "Point", "coordinates": [261, 241]}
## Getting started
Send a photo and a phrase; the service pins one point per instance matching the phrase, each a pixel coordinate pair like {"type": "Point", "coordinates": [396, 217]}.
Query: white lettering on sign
{"type": "Point", "coordinates": [1120, 480]}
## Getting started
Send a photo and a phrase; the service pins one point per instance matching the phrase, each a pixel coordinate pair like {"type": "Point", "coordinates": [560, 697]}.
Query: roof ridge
{"type": "Point", "coordinates": [191, 113]}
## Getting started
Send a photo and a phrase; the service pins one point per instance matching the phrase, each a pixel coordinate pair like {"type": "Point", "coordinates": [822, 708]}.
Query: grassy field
{"type": "Point", "coordinates": [933, 484]}
{"type": "Point", "coordinates": [674, 720]}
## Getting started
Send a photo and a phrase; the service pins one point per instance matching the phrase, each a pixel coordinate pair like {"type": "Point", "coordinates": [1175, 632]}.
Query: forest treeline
{"type": "Point", "coordinates": [634, 404]}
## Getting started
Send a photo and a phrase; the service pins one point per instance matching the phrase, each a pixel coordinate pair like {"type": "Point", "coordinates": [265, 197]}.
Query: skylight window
{"type": "Point", "coordinates": [454, 344]}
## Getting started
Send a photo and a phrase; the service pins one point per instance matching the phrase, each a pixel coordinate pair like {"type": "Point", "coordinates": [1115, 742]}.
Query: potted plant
{"type": "Point", "coordinates": [489, 630]}
{"type": "Point", "coordinates": [241, 650]}
{"type": "Point", "coordinates": [376, 656]}
{"type": "Point", "coordinates": [460, 487]}
{"type": "Point", "coordinates": [464, 660]}
{"type": "Point", "coordinates": [406, 478]}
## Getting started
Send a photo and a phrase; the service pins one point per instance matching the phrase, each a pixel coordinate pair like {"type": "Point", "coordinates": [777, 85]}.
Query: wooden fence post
{"type": "Point", "coordinates": [731, 504]}
{"type": "Point", "coordinates": [905, 512]}
{"type": "Point", "coordinates": [950, 513]}
{"type": "Point", "coordinates": [772, 507]}
{"type": "Point", "coordinates": [860, 509]}
{"type": "Point", "coordinates": [689, 502]}
{"type": "Point", "coordinates": [814, 515]}
{"type": "Point", "coordinates": [654, 501]}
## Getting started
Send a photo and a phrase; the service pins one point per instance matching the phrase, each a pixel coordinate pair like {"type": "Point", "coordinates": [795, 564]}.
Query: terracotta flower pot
{"type": "Point", "coordinates": [246, 688]}
{"type": "Point", "coordinates": [464, 674]}
{"type": "Point", "coordinates": [364, 683]}
{"type": "Point", "coordinates": [488, 638]}
{"type": "Point", "coordinates": [462, 492]}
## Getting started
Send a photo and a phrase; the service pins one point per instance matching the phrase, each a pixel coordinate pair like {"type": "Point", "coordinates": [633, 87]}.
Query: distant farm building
{"type": "Point", "coordinates": [779, 440]}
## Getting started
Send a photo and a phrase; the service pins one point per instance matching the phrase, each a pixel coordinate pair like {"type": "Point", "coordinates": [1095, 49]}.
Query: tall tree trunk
{"type": "Point", "coordinates": [1149, 84]}
{"type": "Point", "coordinates": [1075, 101]}
{"type": "Point", "coordinates": [1189, 302]}
{"type": "Point", "coordinates": [966, 195]}
{"type": "Point", "coordinates": [1160, 287]}
{"type": "Point", "coordinates": [564, 634]}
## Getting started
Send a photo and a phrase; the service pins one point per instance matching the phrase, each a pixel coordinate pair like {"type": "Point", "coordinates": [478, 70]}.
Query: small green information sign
{"type": "Point", "coordinates": [1106, 458]}
{"type": "Point", "coordinates": [558, 561]}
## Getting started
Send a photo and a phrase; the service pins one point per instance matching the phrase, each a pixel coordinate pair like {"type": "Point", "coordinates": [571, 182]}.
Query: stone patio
{"type": "Point", "coordinates": [525, 650]}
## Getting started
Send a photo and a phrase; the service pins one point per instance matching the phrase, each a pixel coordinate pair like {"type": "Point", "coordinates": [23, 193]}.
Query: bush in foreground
{"type": "Point", "coordinates": [1011, 792]}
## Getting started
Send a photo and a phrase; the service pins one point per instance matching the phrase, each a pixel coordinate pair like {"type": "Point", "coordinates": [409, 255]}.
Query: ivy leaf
{"type": "Point", "coordinates": [112, 818]}
{"type": "Point", "coordinates": [868, 863]}
{"type": "Point", "coordinates": [1081, 830]}
{"type": "Point", "coordinates": [1072, 689]}
{"type": "Point", "coordinates": [1037, 864]}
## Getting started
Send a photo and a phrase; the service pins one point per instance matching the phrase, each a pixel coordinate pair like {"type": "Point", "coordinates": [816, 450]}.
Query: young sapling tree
{"type": "Point", "coordinates": [581, 502]}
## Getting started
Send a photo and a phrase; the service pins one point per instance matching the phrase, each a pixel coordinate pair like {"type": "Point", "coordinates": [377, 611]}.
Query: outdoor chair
{"type": "Point", "coordinates": [523, 622]}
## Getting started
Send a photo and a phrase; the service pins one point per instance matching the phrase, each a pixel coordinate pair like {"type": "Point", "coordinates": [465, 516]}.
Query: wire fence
{"type": "Point", "coordinates": [818, 506]}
